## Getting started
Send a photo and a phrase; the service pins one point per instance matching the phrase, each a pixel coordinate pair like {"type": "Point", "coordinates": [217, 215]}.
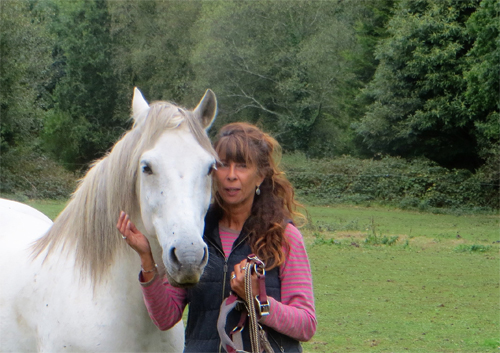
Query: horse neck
{"type": "Point", "coordinates": [86, 227]}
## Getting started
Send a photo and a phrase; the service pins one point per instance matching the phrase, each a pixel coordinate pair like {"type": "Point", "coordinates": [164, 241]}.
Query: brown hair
{"type": "Point", "coordinates": [275, 206]}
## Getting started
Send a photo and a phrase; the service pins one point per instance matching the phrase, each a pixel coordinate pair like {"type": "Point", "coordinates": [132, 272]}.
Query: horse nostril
{"type": "Point", "coordinates": [174, 258]}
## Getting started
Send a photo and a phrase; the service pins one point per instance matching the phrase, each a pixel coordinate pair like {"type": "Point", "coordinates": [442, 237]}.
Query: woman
{"type": "Point", "coordinates": [252, 213]}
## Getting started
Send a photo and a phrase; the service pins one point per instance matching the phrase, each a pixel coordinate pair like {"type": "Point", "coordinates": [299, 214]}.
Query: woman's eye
{"type": "Point", "coordinates": [147, 169]}
{"type": "Point", "coordinates": [241, 165]}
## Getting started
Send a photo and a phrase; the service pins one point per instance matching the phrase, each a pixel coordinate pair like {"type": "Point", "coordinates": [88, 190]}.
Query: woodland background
{"type": "Point", "coordinates": [388, 101]}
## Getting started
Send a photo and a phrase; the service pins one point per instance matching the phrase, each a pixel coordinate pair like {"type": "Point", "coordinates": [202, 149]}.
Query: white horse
{"type": "Point", "coordinates": [75, 289]}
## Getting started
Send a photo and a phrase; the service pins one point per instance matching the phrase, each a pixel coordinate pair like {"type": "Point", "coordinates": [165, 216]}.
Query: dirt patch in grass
{"type": "Point", "coordinates": [350, 235]}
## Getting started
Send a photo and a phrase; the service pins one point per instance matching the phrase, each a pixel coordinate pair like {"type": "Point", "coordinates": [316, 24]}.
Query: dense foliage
{"type": "Point", "coordinates": [425, 92]}
{"type": "Point", "coordinates": [418, 184]}
{"type": "Point", "coordinates": [82, 119]}
{"type": "Point", "coordinates": [293, 67]}
{"type": "Point", "coordinates": [408, 78]}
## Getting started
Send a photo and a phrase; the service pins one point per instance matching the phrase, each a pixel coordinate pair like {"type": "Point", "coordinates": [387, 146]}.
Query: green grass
{"type": "Point", "coordinates": [407, 224]}
{"type": "Point", "coordinates": [431, 286]}
{"type": "Point", "coordinates": [51, 208]}
{"type": "Point", "coordinates": [395, 300]}
{"type": "Point", "coordinates": [428, 291]}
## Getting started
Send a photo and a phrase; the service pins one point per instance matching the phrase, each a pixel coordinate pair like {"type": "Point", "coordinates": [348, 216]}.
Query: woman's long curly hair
{"type": "Point", "coordinates": [275, 206]}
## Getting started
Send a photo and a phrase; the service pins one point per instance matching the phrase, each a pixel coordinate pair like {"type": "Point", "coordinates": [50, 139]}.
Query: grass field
{"type": "Point", "coordinates": [393, 281]}
{"type": "Point", "coordinates": [51, 208]}
{"type": "Point", "coordinates": [435, 289]}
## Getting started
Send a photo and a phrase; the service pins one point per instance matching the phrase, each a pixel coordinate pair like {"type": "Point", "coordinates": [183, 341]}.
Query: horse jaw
{"type": "Point", "coordinates": [174, 195]}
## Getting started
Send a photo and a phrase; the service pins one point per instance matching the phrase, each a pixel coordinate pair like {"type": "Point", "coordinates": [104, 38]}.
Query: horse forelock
{"type": "Point", "coordinates": [87, 226]}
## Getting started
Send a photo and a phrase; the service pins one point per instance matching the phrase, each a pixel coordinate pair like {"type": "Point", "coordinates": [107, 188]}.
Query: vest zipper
{"type": "Point", "coordinates": [225, 268]}
{"type": "Point", "coordinates": [226, 259]}
{"type": "Point", "coordinates": [224, 281]}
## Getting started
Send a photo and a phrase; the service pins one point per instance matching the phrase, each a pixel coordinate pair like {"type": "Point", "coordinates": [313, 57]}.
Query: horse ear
{"type": "Point", "coordinates": [207, 109]}
{"type": "Point", "coordinates": [139, 104]}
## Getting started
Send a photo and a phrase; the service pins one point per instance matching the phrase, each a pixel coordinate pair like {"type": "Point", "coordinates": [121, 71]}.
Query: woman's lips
{"type": "Point", "coordinates": [232, 191]}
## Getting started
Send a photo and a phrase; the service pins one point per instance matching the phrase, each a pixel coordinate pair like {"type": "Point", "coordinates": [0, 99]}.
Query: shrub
{"type": "Point", "coordinates": [414, 184]}
{"type": "Point", "coordinates": [472, 248]}
{"type": "Point", "coordinates": [28, 174]}
{"type": "Point", "coordinates": [373, 239]}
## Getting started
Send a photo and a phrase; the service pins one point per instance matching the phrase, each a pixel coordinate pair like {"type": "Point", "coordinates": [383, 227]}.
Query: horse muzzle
{"type": "Point", "coordinates": [185, 261]}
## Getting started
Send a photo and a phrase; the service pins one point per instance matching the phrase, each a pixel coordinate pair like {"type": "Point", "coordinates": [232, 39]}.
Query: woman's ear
{"type": "Point", "coordinates": [261, 180]}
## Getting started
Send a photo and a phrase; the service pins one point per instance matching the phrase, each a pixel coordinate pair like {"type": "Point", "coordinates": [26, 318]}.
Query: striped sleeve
{"type": "Point", "coordinates": [295, 315]}
{"type": "Point", "coordinates": [165, 303]}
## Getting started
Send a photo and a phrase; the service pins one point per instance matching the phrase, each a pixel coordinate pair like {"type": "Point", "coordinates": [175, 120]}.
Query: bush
{"type": "Point", "coordinates": [29, 174]}
{"type": "Point", "coordinates": [415, 184]}
{"type": "Point", "coordinates": [472, 248]}
{"type": "Point", "coordinates": [373, 239]}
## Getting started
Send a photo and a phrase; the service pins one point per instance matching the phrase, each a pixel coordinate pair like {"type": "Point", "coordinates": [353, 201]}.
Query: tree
{"type": "Point", "coordinates": [285, 65]}
{"type": "Point", "coordinates": [254, 66]}
{"type": "Point", "coordinates": [483, 76]}
{"type": "Point", "coordinates": [418, 92]}
{"type": "Point", "coordinates": [370, 23]}
{"type": "Point", "coordinates": [152, 47]}
{"type": "Point", "coordinates": [24, 55]}
{"type": "Point", "coordinates": [82, 124]}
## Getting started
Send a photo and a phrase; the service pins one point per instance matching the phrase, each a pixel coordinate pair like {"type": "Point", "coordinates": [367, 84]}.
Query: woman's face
{"type": "Point", "coordinates": [236, 183]}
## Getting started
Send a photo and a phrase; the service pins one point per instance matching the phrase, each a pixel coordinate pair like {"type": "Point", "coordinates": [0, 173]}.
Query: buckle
{"type": "Point", "coordinates": [263, 308]}
{"type": "Point", "coordinates": [254, 258]}
{"type": "Point", "coordinates": [260, 271]}
{"type": "Point", "coordinates": [237, 329]}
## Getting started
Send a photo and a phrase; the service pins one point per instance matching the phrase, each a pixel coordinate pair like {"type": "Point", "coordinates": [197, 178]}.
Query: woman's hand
{"type": "Point", "coordinates": [137, 241]}
{"type": "Point", "coordinates": [238, 280]}
{"type": "Point", "coordinates": [132, 235]}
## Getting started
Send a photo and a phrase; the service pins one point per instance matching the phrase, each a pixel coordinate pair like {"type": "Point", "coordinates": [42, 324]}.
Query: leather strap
{"type": "Point", "coordinates": [234, 344]}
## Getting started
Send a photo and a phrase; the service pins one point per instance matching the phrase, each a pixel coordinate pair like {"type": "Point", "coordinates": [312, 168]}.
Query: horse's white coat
{"type": "Point", "coordinates": [178, 232]}
{"type": "Point", "coordinates": [47, 305]}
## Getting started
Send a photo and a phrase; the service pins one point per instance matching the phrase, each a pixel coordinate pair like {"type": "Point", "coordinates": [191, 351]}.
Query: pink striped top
{"type": "Point", "coordinates": [227, 237]}
{"type": "Point", "coordinates": [294, 316]}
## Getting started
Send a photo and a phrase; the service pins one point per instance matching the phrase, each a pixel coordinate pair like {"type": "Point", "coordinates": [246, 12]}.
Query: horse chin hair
{"type": "Point", "coordinates": [174, 283]}
{"type": "Point", "coordinates": [185, 285]}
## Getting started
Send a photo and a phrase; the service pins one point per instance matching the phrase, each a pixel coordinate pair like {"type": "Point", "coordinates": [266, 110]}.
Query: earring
{"type": "Point", "coordinates": [257, 191]}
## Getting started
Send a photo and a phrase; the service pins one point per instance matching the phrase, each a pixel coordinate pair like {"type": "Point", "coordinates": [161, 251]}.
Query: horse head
{"type": "Point", "coordinates": [174, 186]}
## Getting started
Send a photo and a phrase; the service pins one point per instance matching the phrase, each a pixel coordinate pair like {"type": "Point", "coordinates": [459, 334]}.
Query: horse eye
{"type": "Point", "coordinates": [212, 168]}
{"type": "Point", "coordinates": [147, 169]}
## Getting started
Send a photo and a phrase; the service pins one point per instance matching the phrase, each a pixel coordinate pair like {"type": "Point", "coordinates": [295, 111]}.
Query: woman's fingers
{"type": "Point", "coordinates": [237, 280]}
{"type": "Point", "coordinates": [132, 235]}
{"type": "Point", "coordinates": [239, 269]}
{"type": "Point", "coordinates": [124, 225]}
{"type": "Point", "coordinates": [120, 220]}
{"type": "Point", "coordinates": [237, 284]}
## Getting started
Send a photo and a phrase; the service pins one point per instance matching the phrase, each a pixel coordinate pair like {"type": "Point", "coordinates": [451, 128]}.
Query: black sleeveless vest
{"type": "Point", "coordinates": [206, 297]}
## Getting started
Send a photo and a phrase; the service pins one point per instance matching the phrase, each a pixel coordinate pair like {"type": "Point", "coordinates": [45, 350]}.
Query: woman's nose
{"type": "Point", "coordinates": [231, 172]}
